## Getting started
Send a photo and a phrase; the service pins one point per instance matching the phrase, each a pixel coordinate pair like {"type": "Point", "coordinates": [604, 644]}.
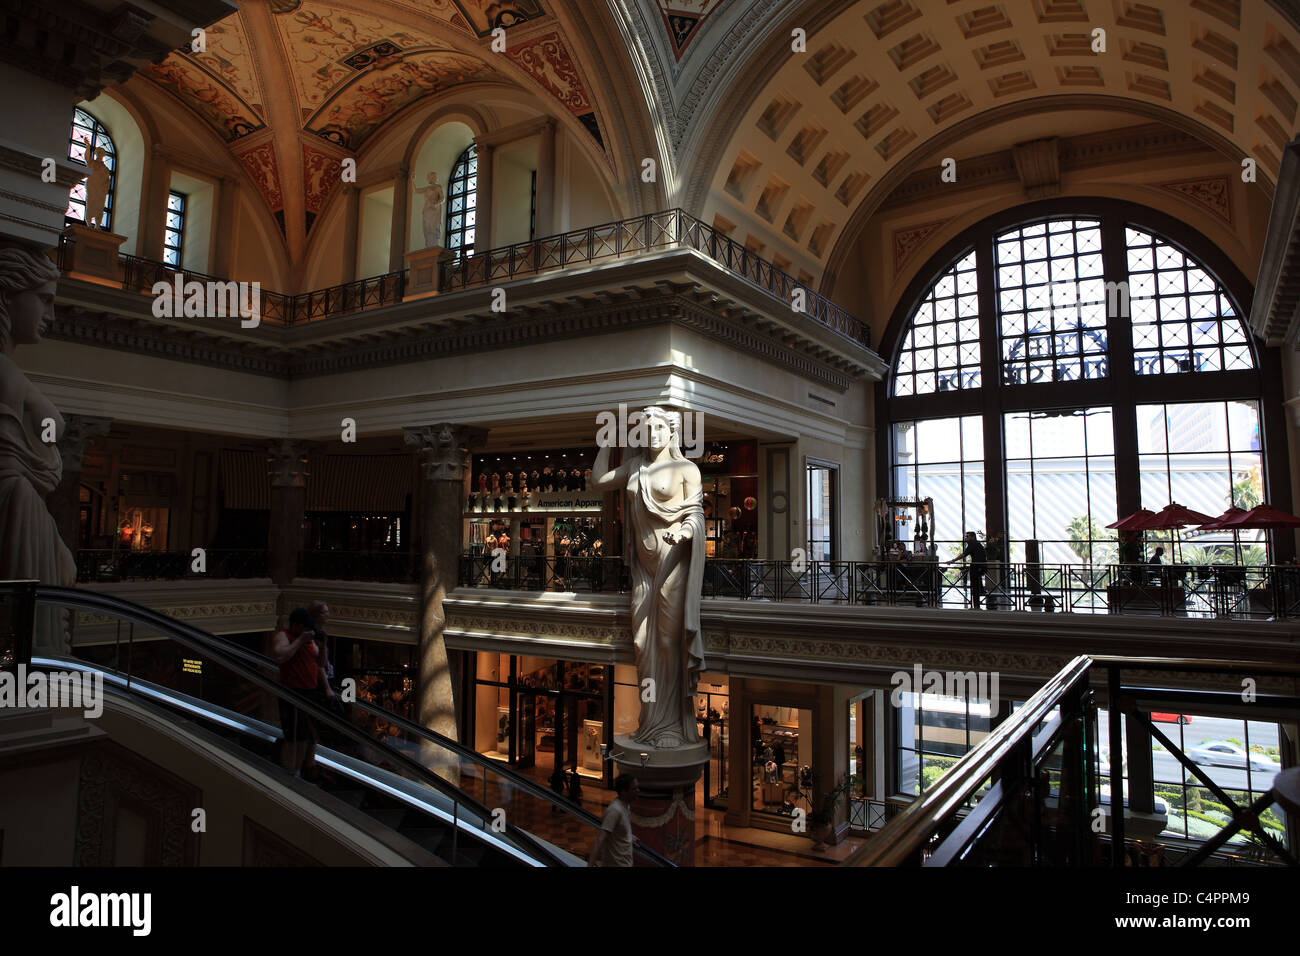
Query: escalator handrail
{"type": "Point", "coordinates": [909, 831]}
{"type": "Point", "coordinates": [513, 777]}
{"type": "Point", "coordinates": [239, 663]}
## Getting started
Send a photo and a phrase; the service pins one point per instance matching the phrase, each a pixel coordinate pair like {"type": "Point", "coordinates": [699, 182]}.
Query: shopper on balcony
{"type": "Point", "coordinates": [979, 557]}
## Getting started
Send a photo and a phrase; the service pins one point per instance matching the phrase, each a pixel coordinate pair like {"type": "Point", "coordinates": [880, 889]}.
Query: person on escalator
{"type": "Point", "coordinates": [294, 648]}
{"type": "Point", "coordinates": [614, 839]}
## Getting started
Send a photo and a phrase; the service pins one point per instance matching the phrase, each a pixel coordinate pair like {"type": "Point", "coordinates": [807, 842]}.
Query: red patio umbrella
{"type": "Point", "coordinates": [1134, 522]}
{"type": "Point", "coordinates": [1264, 517]}
{"type": "Point", "coordinates": [1173, 516]}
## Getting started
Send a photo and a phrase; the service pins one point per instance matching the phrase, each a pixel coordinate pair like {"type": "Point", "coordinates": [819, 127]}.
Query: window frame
{"type": "Point", "coordinates": [96, 128]}
{"type": "Point", "coordinates": [1123, 390]}
{"type": "Point", "coordinates": [179, 247]}
{"type": "Point", "coordinates": [460, 172]}
{"type": "Point", "coordinates": [833, 540]}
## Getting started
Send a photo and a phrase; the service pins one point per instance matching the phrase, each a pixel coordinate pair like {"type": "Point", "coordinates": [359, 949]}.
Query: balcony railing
{"type": "Point", "coordinates": [104, 565]}
{"type": "Point", "coordinates": [652, 232]}
{"type": "Point", "coordinates": [1221, 591]}
{"type": "Point", "coordinates": [626, 238]}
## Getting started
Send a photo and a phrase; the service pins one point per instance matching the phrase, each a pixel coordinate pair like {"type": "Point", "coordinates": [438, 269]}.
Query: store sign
{"type": "Point", "coordinates": [191, 666]}
{"type": "Point", "coordinates": [565, 501]}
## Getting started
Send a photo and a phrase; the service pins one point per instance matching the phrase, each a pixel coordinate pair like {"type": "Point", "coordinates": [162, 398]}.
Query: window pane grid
{"type": "Point", "coordinates": [1183, 320]}
{"type": "Point", "coordinates": [1052, 302]}
{"type": "Point", "coordinates": [941, 351]}
{"type": "Point", "coordinates": [462, 192]}
{"type": "Point", "coordinates": [174, 234]}
{"type": "Point", "coordinates": [87, 135]}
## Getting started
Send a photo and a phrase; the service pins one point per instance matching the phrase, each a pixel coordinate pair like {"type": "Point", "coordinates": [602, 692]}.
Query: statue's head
{"type": "Point", "coordinates": [665, 428]}
{"type": "Point", "coordinates": [27, 283]}
{"type": "Point", "coordinates": [433, 179]}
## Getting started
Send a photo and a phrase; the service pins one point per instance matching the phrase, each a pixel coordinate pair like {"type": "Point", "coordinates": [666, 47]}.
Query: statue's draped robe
{"type": "Point", "coordinates": [666, 611]}
{"type": "Point", "coordinates": [30, 544]}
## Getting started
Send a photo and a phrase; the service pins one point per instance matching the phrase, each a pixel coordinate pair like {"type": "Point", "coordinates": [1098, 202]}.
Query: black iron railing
{"type": "Point", "coordinates": [1034, 791]}
{"type": "Point", "coordinates": [652, 232]}
{"type": "Point", "coordinates": [625, 238]}
{"type": "Point", "coordinates": [1223, 591]}
{"type": "Point", "coordinates": [125, 565]}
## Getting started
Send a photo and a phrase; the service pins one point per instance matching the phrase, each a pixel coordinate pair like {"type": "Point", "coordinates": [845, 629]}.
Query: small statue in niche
{"type": "Point", "coordinates": [431, 215]}
{"type": "Point", "coordinates": [97, 189]}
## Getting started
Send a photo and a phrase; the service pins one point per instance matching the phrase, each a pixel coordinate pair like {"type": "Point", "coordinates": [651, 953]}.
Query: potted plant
{"type": "Point", "coordinates": [822, 817]}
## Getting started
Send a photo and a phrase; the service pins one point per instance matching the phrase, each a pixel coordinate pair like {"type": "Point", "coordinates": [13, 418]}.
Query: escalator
{"type": "Point", "coordinates": [458, 807]}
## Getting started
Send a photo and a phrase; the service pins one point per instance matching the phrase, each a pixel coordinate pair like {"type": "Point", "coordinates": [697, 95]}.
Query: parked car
{"type": "Point", "coordinates": [1171, 718]}
{"type": "Point", "coordinates": [1225, 753]}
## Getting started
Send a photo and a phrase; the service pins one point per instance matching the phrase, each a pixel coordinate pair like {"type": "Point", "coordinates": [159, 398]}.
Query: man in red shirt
{"type": "Point", "coordinates": [302, 669]}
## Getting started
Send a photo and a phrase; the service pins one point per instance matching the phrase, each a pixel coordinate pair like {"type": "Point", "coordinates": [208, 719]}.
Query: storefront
{"type": "Point", "coordinates": [539, 714]}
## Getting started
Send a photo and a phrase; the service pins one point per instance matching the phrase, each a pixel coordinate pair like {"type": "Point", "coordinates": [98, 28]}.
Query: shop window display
{"type": "Point", "coordinates": [543, 716]}
{"type": "Point", "coordinates": [782, 759]}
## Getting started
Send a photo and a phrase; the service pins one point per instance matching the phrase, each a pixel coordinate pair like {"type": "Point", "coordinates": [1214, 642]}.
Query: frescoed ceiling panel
{"type": "Point", "coordinates": [325, 47]}
{"type": "Point", "coordinates": [211, 98]}
{"type": "Point", "coordinates": [683, 19]}
{"type": "Point", "coordinates": [357, 108]}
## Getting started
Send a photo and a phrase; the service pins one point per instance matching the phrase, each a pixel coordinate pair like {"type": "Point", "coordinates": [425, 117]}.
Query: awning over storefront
{"type": "Point", "coordinates": [359, 483]}
{"type": "Point", "coordinates": [244, 480]}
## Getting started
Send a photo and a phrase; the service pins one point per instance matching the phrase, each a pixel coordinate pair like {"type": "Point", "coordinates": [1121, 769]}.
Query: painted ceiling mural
{"type": "Point", "coordinates": [683, 18]}
{"type": "Point", "coordinates": [207, 95]}
{"type": "Point", "coordinates": [374, 94]}
{"type": "Point", "coordinates": [347, 70]}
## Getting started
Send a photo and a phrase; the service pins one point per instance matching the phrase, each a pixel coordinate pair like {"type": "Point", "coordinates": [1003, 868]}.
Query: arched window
{"type": "Point", "coordinates": [462, 197]}
{"type": "Point", "coordinates": [1058, 371]}
{"type": "Point", "coordinates": [87, 135]}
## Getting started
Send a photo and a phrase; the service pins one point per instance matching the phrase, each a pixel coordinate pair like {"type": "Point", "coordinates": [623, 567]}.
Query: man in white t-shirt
{"type": "Point", "coordinates": [614, 841]}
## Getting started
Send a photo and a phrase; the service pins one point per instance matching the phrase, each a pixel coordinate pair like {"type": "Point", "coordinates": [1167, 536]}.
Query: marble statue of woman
{"type": "Point", "coordinates": [30, 545]}
{"type": "Point", "coordinates": [664, 526]}
{"type": "Point", "coordinates": [431, 217]}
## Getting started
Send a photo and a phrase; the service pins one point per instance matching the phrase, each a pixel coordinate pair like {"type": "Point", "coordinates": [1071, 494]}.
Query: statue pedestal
{"type": "Point", "coordinates": [94, 256]}
{"type": "Point", "coordinates": [423, 265]}
{"type": "Point", "coordinates": [663, 814]}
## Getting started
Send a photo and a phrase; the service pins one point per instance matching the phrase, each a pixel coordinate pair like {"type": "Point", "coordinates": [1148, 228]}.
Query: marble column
{"type": "Point", "coordinates": [546, 225]}
{"type": "Point", "coordinates": [401, 208]}
{"type": "Point", "coordinates": [352, 228]}
{"type": "Point", "coordinates": [64, 501]}
{"type": "Point", "coordinates": [444, 451]}
{"type": "Point", "coordinates": [287, 468]}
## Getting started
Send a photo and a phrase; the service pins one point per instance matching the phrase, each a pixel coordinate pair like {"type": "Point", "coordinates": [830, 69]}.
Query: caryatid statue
{"type": "Point", "coordinates": [665, 544]}
{"type": "Point", "coordinates": [30, 464]}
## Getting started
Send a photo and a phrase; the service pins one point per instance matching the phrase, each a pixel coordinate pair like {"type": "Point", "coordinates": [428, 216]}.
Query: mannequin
{"type": "Point", "coordinates": [510, 491]}
{"type": "Point", "coordinates": [548, 479]}
{"type": "Point", "coordinates": [496, 491]}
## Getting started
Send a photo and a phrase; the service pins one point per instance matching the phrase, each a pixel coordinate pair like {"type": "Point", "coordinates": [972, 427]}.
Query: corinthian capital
{"type": "Point", "coordinates": [286, 463]}
{"type": "Point", "coordinates": [444, 449]}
